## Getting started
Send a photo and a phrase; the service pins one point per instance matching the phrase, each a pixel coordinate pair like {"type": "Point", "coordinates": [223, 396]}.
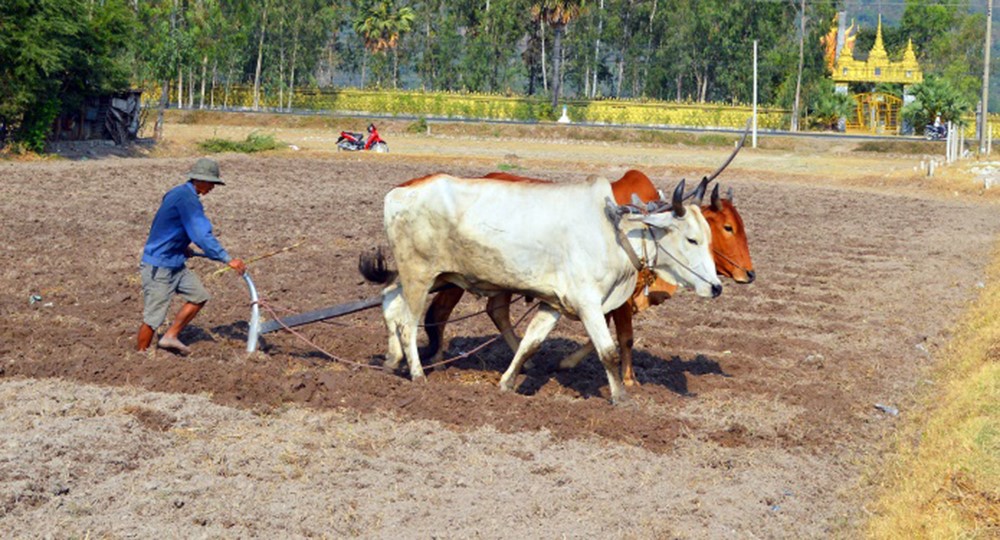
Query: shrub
{"type": "Point", "coordinates": [419, 126]}
{"type": "Point", "coordinates": [37, 123]}
{"type": "Point", "coordinates": [254, 142]}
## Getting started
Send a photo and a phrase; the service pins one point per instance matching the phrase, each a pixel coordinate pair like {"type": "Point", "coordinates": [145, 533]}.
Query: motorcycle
{"type": "Point", "coordinates": [935, 133]}
{"type": "Point", "coordinates": [350, 140]}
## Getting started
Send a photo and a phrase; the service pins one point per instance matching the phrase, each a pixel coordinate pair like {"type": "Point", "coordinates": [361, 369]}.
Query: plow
{"type": "Point", "coordinates": [257, 329]}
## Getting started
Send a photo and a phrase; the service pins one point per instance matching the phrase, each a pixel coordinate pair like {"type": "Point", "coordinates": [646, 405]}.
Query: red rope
{"type": "Point", "coordinates": [481, 346]}
{"type": "Point", "coordinates": [310, 343]}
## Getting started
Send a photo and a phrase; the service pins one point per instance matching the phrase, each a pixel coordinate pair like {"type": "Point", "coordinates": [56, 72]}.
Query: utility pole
{"type": "Point", "coordinates": [798, 81]}
{"type": "Point", "coordinates": [984, 108]}
{"type": "Point", "coordinates": [754, 138]}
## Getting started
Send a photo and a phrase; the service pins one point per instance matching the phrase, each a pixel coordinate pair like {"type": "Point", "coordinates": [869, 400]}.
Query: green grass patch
{"type": "Point", "coordinates": [943, 480]}
{"type": "Point", "coordinates": [255, 142]}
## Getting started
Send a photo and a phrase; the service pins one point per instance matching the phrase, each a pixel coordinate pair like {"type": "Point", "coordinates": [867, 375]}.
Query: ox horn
{"type": "Point", "coordinates": [732, 156]}
{"type": "Point", "coordinates": [729, 194]}
{"type": "Point", "coordinates": [699, 192]}
{"type": "Point", "coordinates": [716, 203]}
{"type": "Point", "coordinates": [677, 203]}
{"type": "Point", "coordinates": [729, 160]}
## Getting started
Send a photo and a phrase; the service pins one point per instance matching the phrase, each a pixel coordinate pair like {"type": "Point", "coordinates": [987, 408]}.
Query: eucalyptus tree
{"type": "Point", "coordinates": [199, 22]}
{"type": "Point", "coordinates": [953, 46]}
{"type": "Point", "coordinates": [557, 14]}
{"type": "Point", "coordinates": [620, 28]}
{"type": "Point", "coordinates": [228, 24]}
{"type": "Point", "coordinates": [437, 45]}
{"type": "Point", "coordinates": [924, 21]}
{"type": "Point", "coordinates": [593, 71]}
{"type": "Point", "coordinates": [264, 9]}
{"type": "Point", "coordinates": [164, 45]}
{"type": "Point", "coordinates": [673, 59]}
{"type": "Point", "coordinates": [492, 33]}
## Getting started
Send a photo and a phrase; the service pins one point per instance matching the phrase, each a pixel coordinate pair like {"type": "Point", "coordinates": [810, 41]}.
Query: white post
{"type": "Point", "coordinates": [754, 138]}
{"type": "Point", "coordinates": [954, 142]}
{"type": "Point", "coordinates": [949, 135]}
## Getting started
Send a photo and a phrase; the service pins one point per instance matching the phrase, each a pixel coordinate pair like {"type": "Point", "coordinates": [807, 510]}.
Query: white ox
{"type": "Point", "coordinates": [567, 245]}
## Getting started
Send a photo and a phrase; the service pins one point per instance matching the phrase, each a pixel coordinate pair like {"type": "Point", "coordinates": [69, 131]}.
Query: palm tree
{"type": "Point", "coordinates": [936, 96]}
{"type": "Point", "coordinates": [557, 14]}
{"type": "Point", "coordinates": [380, 24]}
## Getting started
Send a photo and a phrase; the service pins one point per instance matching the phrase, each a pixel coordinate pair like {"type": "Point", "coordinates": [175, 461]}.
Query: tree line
{"type": "Point", "coordinates": [55, 53]}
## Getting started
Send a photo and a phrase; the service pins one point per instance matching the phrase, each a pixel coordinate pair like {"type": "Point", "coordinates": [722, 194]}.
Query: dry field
{"type": "Point", "coordinates": [756, 417]}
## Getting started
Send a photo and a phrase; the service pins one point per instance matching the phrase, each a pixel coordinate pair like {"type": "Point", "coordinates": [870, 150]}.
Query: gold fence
{"type": "Point", "coordinates": [494, 107]}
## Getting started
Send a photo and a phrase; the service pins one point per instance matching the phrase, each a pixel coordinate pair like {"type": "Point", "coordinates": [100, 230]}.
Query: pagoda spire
{"type": "Point", "coordinates": [878, 55]}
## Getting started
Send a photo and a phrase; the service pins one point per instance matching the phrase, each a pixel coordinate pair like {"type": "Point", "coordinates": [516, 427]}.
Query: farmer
{"type": "Point", "coordinates": [179, 222]}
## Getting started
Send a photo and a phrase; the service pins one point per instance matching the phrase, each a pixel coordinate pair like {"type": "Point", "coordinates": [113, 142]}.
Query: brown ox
{"type": "Point", "coordinates": [729, 249]}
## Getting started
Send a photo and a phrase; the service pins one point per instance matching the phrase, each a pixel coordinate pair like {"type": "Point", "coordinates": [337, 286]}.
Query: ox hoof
{"type": "Point", "coordinates": [631, 382]}
{"type": "Point", "coordinates": [419, 378]}
{"type": "Point", "coordinates": [390, 365]}
{"type": "Point", "coordinates": [623, 400]}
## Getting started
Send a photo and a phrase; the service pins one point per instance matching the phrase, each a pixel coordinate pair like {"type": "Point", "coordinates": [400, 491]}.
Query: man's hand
{"type": "Point", "coordinates": [238, 265]}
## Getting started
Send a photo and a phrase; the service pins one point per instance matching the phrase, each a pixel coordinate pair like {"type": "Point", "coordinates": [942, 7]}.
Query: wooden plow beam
{"type": "Point", "coordinates": [320, 314]}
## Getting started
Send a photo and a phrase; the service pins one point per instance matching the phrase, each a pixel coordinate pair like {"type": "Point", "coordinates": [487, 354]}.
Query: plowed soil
{"type": "Point", "coordinates": [756, 416]}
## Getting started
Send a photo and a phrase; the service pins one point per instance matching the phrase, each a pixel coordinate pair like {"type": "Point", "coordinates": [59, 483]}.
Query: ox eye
{"type": "Point", "coordinates": [692, 241]}
{"type": "Point", "coordinates": [728, 228]}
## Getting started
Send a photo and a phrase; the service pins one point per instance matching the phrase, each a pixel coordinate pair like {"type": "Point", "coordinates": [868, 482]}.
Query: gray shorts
{"type": "Point", "coordinates": [159, 286]}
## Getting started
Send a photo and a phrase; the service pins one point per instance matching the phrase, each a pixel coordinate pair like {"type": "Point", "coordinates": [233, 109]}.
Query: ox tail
{"type": "Point", "coordinates": [375, 268]}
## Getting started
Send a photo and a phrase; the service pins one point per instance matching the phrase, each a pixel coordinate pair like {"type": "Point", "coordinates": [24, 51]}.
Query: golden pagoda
{"type": "Point", "coordinates": [875, 111]}
{"type": "Point", "coordinates": [878, 68]}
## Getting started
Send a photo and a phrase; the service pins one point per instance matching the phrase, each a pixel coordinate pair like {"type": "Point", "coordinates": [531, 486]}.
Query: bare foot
{"type": "Point", "coordinates": [174, 344]}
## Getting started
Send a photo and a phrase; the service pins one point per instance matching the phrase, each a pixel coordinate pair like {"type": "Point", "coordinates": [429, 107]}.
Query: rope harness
{"type": "Point", "coordinates": [643, 263]}
{"type": "Point", "coordinates": [729, 260]}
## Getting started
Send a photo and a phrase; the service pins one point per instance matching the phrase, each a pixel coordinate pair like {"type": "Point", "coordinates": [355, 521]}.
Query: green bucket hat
{"type": "Point", "coordinates": [207, 170]}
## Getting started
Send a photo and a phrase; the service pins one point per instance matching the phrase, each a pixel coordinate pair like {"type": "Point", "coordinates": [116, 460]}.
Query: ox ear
{"type": "Point", "coordinates": [716, 203]}
{"type": "Point", "coordinates": [637, 202]}
{"type": "Point", "coordinates": [660, 220]}
{"type": "Point", "coordinates": [677, 202]}
{"type": "Point", "coordinates": [614, 211]}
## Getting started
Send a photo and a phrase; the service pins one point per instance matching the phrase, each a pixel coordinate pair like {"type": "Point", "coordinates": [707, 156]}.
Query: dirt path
{"type": "Point", "coordinates": [755, 416]}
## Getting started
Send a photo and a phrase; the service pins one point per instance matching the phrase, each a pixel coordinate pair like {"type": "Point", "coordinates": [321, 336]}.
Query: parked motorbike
{"type": "Point", "coordinates": [935, 133]}
{"type": "Point", "coordinates": [350, 140]}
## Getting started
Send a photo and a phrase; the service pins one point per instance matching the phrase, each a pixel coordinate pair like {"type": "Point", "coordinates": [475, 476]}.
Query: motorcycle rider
{"type": "Point", "coordinates": [937, 130]}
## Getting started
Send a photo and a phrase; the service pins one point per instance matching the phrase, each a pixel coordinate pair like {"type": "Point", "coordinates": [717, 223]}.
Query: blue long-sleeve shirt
{"type": "Point", "coordinates": [179, 222]}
